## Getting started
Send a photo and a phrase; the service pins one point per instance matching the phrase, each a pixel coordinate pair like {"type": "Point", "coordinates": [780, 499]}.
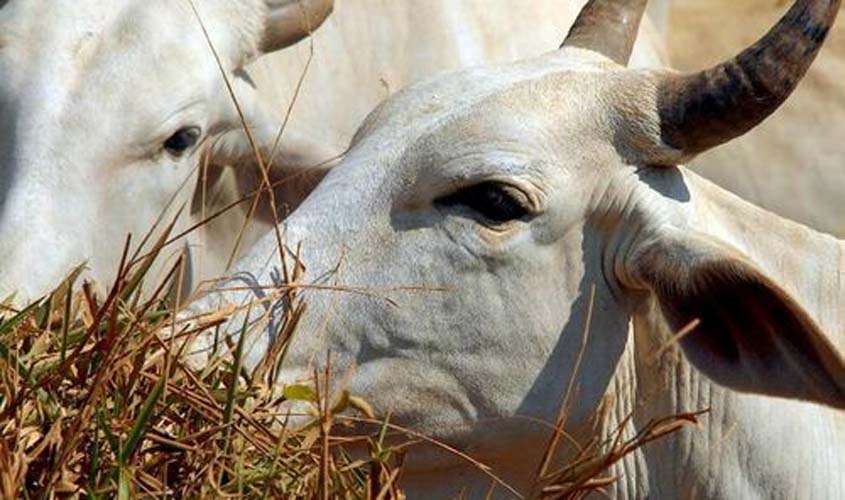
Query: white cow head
{"type": "Point", "coordinates": [490, 203]}
{"type": "Point", "coordinates": [105, 107]}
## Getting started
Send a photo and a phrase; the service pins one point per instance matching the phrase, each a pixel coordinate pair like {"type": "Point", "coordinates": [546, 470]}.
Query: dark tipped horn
{"type": "Point", "coordinates": [703, 110]}
{"type": "Point", "coordinates": [609, 27]}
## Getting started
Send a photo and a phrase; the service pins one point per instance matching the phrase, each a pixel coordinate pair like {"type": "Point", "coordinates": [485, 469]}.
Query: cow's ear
{"type": "Point", "coordinates": [752, 335]}
{"type": "Point", "coordinates": [295, 163]}
{"type": "Point", "coordinates": [289, 21]}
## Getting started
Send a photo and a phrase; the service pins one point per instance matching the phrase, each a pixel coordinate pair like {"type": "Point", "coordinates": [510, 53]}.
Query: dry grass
{"type": "Point", "coordinates": [95, 401]}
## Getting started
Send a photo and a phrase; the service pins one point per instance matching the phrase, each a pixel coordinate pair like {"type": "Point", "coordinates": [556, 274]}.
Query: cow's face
{"type": "Point", "coordinates": [467, 220]}
{"type": "Point", "coordinates": [484, 221]}
{"type": "Point", "coordinates": [470, 221]}
{"type": "Point", "coordinates": [105, 108]}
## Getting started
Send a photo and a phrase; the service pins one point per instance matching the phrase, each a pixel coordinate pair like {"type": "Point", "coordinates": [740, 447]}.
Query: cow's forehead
{"type": "Point", "coordinates": [43, 28]}
{"type": "Point", "coordinates": [478, 109]}
{"type": "Point", "coordinates": [446, 98]}
{"type": "Point", "coordinates": [45, 43]}
{"type": "Point", "coordinates": [35, 20]}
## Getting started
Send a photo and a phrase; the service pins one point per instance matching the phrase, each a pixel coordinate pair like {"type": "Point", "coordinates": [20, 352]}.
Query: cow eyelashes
{"type": "Point", "coordinates": [495, 201]}
{"type": "Point", "coordinates": [182, 140]}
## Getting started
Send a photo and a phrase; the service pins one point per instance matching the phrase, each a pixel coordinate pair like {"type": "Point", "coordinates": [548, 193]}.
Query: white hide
{"type": "Point", "coordinates": [89, 93]}
{"type": "Point", "coordinates": [485, 320]}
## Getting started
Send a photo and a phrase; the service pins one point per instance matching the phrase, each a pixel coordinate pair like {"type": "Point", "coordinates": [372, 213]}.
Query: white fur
{"type": "Point", "coordinates": [485, 343]}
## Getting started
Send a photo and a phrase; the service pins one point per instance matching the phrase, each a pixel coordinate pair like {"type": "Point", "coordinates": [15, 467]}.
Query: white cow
{"type": "Point", "coordinates": [496, 206]}
{"type": "Point", "coordinates": [91, 95]}
{"type": "Point", "coordinates": [104, 108]}
{"type": "Point", "coordinates": [367, 50]}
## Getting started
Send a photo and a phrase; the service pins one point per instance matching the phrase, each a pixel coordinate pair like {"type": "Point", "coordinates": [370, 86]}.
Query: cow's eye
{"type": "Point", "coordinates": [182, 140]}
{"type": "Point", "coordinates": [497, 202]}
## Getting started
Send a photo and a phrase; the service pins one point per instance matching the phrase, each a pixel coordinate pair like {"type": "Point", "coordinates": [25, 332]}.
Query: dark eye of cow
{"type": "Point", "coordinates": [493, 200]}
{"type": "Point", "coordinates": [182, 140]}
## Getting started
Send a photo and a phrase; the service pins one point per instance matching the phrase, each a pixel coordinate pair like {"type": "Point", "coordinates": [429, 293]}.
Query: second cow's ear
{"type": "Point", "coordinates": [294, 167]}
{"type": "Point", "coordinates": [295, 162]}
{"type": "Point", "coordinates": [752, 335]}
{"type": "Point", "coordinates": [289, 21]}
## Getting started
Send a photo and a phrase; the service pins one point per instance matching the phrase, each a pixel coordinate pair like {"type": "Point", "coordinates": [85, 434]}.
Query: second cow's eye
{"type": "Point", "coordinates": [182, 140]}
{"type": "Point", "coordinates": [495, 201]}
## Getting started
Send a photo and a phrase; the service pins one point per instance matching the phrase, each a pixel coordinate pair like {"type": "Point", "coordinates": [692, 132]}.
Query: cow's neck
{"type": "Point", "coordinates": [747, 446]}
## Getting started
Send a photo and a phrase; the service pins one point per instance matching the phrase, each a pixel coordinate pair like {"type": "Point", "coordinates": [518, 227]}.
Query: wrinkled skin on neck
{"type": "Point", "coordinates": [732, 454]}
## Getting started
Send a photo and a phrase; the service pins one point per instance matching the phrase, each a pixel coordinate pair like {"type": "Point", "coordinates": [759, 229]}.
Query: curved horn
{"type": "Point", "coordinates": [289, 21]}
{"type": "Point", "coordinates": [702, 110]}
{"type": "Point", "coordinates": [608, 27]}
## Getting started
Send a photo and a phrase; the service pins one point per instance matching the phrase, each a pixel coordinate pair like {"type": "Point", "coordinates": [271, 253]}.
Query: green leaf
{"type": "Point", "coordinates": [236, 369]}
{"type": "Point", "coordinates": [61, 292]}
{"type": "Point", "coordinates": [5, 353]}
{"type": "Point", "coordinates": [42, 315]}
{"type": "Point", "coordinates": [106, 427]}
{"type": "Point", "coordinates": [95, 463]}
{"type": "Point", "coordinates": [124, 492]}
{"type": "Point", "coordinates": [137, 277]}
{"type": "Point", "coordinates": [140, 424]}
{"type": "Point", "coordinates": [7, 326]}
{"type": "Point", "coordinates": [66, 320]}
{"type": "Point", "coordinates": [297, 392]}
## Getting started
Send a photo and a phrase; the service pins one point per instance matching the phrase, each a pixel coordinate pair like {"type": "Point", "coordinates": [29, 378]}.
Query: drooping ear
{"type": "Point", "coordinates": [289, 21]}
{"type": "Point", "coordinates": [752, 335]}
{"type": "Point", "coordinates": [295, 163]}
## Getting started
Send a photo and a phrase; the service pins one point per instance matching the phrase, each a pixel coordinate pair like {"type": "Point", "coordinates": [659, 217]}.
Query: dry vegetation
{"type": "Point", "coordinates": [96, 402]}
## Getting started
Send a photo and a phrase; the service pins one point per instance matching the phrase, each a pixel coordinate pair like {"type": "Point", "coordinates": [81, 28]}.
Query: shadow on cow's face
{"type": "Point", "coordinates": [106, 108]}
